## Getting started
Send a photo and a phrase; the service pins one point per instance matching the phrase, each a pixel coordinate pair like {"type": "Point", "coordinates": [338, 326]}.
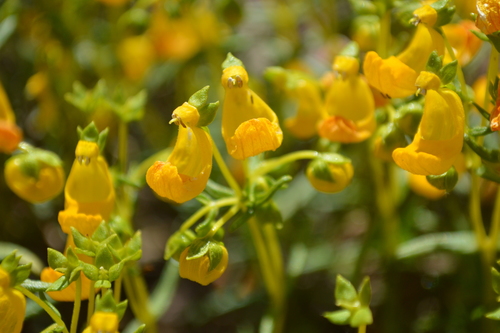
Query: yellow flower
{"type": "Point", "coordinates": [330, 173]}
{"type": "Point", "coordinates": [136, 55]}
{"type": "Point", "coordinates": [349, 104]}
{"type": "Point", "coordinates": [103, 322]}
{"type": "Point", "coordinates": [422, 187]}
{"type": "Point", "coordinates": [395, 77]}
{"type": "Point", "coordinates": [10, 134]}
{"type": "Point", "coordinates": [185, 173]}
{"type": "Point", "coordinates": [68, 294]}
{"type": "Point", "coordinates": [33, 180]}
{"type": "Point", "coordinates": [114, 2]}
{"type": "Point", "coordinates": [439, 138]}
{"type": "Point", "coordinates": [488, 16]}
{"type": "Point", "coordinates": [89, 193]}
{"type": "Point", "coordinates": [464, 43]}
{"type": "Point", "coordinates": [197, 269]}
{"type": "Point", "coordinates": [299, 87]}
{"type": "Point", "coordinates": [249, 126]}
{"type": "Point", "coordinates": [12, 305]}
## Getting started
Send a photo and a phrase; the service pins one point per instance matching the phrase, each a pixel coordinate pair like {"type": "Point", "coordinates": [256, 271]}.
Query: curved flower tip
{"type": "Point", "coordinates": [439, 139]}
{"type": "Point", "coordinates": [249, 126]}
{"type": "Point", "coordinates": [185, 174]}
{"type": "Point", "coordinates": [10, 136]}
{"type": "Point", "coordinates": [103, 322]}
{"type": "Point", "coordinates": [12, 306]}
{"type": "Point", "coordinates": [86, 224]}
{"type": "Point", "coordinates": [422, 187]}
{"type": "Point", "coordinates": [488, 16]}
{"type": "Point", "coordinates": [68, 294]}
{"type": "Point", "coordinates": [198, 269]}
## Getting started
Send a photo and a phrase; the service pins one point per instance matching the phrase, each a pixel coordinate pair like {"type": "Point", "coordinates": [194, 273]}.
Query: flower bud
{"type": "Point", "coordinates": [206, 268]}
{"type": "Point", "coordinates": [445, 181]}
{"type": "Point", "coordinates": [330, 173]}
{"type": "Point", "coordinates": [35, 176]}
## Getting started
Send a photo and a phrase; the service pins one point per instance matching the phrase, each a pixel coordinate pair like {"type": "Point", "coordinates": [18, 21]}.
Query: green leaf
{"type": "Point", "coordinates": [448, 72]}
{"type": "Point", "coordinates": [26, 256]}
{"type": "Point", "coordinates": [365, 292]}
{"type": "Point", "coordinates": [217, 190]}
{"type": "Point", "coordinates": [56, 259]}
{"type": "Point", "coordinates": [115, 271]}
{"type": "Point", "coordinates": [90, 271]}
{"type": "Point", "coordinates": [35, 285]}
{"type": "Point", "coordinates": [480, 35]}
{"type": "Point", "coordinates": [339, 317]}
{"type": "Point", "coordinates": [75, 274]}
{"type": "Point", "coordinates": [104, 258]}
{"type": "Point", "coordinates": [134, 244]}
{"type": "Point", "coordinates": [73, 260]}
{"type": "Point", "coordinates": [21, 273]}
{"type": "Point", "coordinates": [10, 262]}
{"type": "Point", "coordinates": [106, 302]}
{"type": "Point", "coordinates": [495, 315]}
{"type": "Point", "coordinates": [177, 243]}
{"type": "Point", "coordinates": [59, 284]}
{"type": "Point", "coordinates": [132, 109]}
{"type": "Point", "coordinates": [434, 63]}
{"type": "Point", "coordinates": [231, 60]}
{"type": "Point", "coordinates": [121, 308]}
{"type": "Point", "coordinates": [102, 284]}
{"type": "Point", "coordinates": [241, 218]}
{"type": "Point", "coordinates": [363, 316]}
{"type": "Point", "coordinates": [445, 181]}
{"type": "Point", "coordinates": [198, 249]}
{"type": "Point", "coordinates": [495, 40]}
{"type": "Point", "coordinates": [480, 131]}
{"type": "Point", "coordinates": [495, 280]}
{"type": "Point", "coordinates": [140, 329]}
{"type": "Point", "coordinates": [102, 232]}
{"type": "Point", "coordinates": [345, 293]}
{"type": "Point", "coordinates": [483, 112]}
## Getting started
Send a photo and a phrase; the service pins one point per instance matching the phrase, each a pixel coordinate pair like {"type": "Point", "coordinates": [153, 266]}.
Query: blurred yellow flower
{"type": "Point", "coordinates": [185, 173]}
{"type": "Point", "coordinates": [136, 54]}
{"type": "Point", "coordinates": [422, 187]}
{"type": "Point", "coordinates": [349, 104]}
{"type": "Point", "coordinates": [395, 77]}
{"type": "Point", "coordinates": [464, 43]}
{"type": "Point", "coordinates": [197, 269]}
{"type": "Point", "coordinates": [488, 16]}
{"type": "Point", "coordinates": [249, 126]}
{"type": "Point", "coordinates": [330, 173]}
{"type": "Point", "coordinates": [114, 2]}
{"type": "Point", "coordinates": [38, 87]}
{"type": "Point", "coordinates": [10, 134]}
{"type": "Point", "coordinates": [439, 138]}
{"type": "Point", "coordinates": [12, 305]}
{"type": "Point", "coordinates": [103, 322]}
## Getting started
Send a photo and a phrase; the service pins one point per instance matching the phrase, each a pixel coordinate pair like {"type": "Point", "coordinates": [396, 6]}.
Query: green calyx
{"type": "Point", "coordinates": [320, 165]}
{"type": "Point", "coordinates": [92, 134]}
{"type": "Point", "coordinates": [231, 60]}
{"type": "Point", "coordinates": [445, 11]}
{"type": "Point", "coordinates": [350, 50]}
{"type": "Point", "coordinates": [207, 110]}
{"type": "Point", "coordinates": [107, 303]}
{"type": "Point", "coordinates": [445, 181]}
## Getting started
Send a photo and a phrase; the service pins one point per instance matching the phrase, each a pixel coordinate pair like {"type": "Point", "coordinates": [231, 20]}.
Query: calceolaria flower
{"type": "Point", "coordinates": [206, 267]}
{"type": "Point", "coordinates": [35, 175]}
{"type": "Point", "coordinates": [464, 43]}
{"type": "Point", "coordinates": [488, 16]}
{"type": "Point", "coordinates": [439, 138]}
{"type": "Point", "coordinates": [185, 173]}
{"type": "Point", "coordinates": [330, 173]}
{"type": "Point", "coordinates": [349, 104]}
{"type": "Point", "coordinates": [89, 193]}
{"type": "Point", "coordinates": [303, 89]}
{"type": "Point", "coordinates": [249, 126]}
{"type": "Point", "coordinates": [395, 76]}
{"type": "Point", "coordinates": [10, 134]}
{"type": "Point", "coordinates": [103, 322]}
{"type": "Point", "coordinates": [12, 305]}
{"type": "Point", "coordinates": [136, 55]}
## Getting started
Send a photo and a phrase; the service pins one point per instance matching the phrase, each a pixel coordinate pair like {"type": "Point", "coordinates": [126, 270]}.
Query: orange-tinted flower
{"type": "Point", "coordinates": [68, 294]}
{"type": "Point", "coordinates": [10, 134]}
{"type": "Point", "coordinates": [488, 16]}
{"type": "Point", "coordinates": [464, 43]}
{"type": "Point", "coordinates": [349, 104]}
{"type": "Point", "coordinates": [495, 114]}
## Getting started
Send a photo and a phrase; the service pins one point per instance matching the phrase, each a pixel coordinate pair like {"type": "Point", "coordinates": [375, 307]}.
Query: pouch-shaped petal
{"type": "Point", "coordinates": [439, 139]}
{"type": "Point", "coordinates": [12, 306]}
{"type": "Point", "coordinates": [249, 126]}
{"type": "Point", "coordinates": [197, 269]}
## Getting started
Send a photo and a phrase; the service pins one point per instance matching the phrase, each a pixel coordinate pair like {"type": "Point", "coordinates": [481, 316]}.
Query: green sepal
{"type": "Point", "coordinates": [104, 258]}
{"type": "Point", "coordinates": [483, 112]}
{"type": "Point", "coordinates": [73, 260]}
{"type": "Point", "coordinates": [134, 244]}
{"type": "Point", "coordinates": [21, 273]}
{"type": "Point", "coordinates": [482, 36]}
{"type": "Point", "coordinates": [75, 274]}
{"type": "Point", "coordinates": [83, 243]}
{"type": "Point", "coordinates": [207, 114]}
{"type": "Point", "coordinates": [365, 292]}
{"type": "Point", "coordinates": [18, 273]}
{"type": "Point", "coordinates": [198, 249]}
{"type": "Point", "coordinates": [102, 284]}
{"type": "Point", "coordinates": [132, 108]}
{"type": "Point", "coordinates": [88, 100]}
{"type": "Point", "coordinates": [445, 181]}
{"type": "Point", "coordinates": [495, 40]}
{"type": "Point", "coordinates": [345, 293]}
{"type": "Point", "coordinates": [101, 233]}
{"type": "Point", "coordinates": [241, 218]}
{"type": "Point", "coordinates": [434, 63]}
{"type": "Point", "coordinates": [488, 172]}
{"type": "Point", "coordinates": [204, 227]}
{"type": "Point", "coordinates": [10, 262]}
{"type": "Point", "coordinates": [350, 50]}
{"type": "Point", "coordinates": [363, 316]}
{"type": "Point", "coordinates": [448, 72]}
{"type": "Point", "coordinates": [90, 271]}
{"type": "Point", "coordinates": [56, 259]}
{"type": "Point", "coordinates": [106, 302]}
{"type": "Point", "coordinates": [231, 60]}
{"type": "Point", "coordinates": [59, 284]}
{"type": "Point", "coordinates": [54, 328]}
{"type": "Point", "coordinates": [480, 131]}
{"type": "Point", "coordinates": [90, 133]}
{"type": "Point", "coordinates": [495, 275]}
{"type": "Point", "coordinates": [363, 7]}
{"type": "Point", "coordinates": [495, 315]}
{"type": "Point", "coordinates": [445, 10]}
{"type": "Point", "coordinates": [200, 98]}
{"type": "Point", "coordinates": [321, 170]}
{"type": "Point", "coordinates": [269, 213]}
{"type": "Point", "coordinates": [101, 140]}
{"type": "Point", "coordinates": [269, 193]}
{"type": "Point", "coordinates": [215, 254]}
{"type": "Point", "coordinates": [392, 136]}
{"type": "Point", "coordinates": [177, 243]}
{"type": "Point", "coordinates": [339, 317]}
{"type": "Point", "coordinates": [121, 308]}
{"type": "Point", "coordinates": [35, 285]}
{"type": "Point", "coordinates": [140, 329]}
{"type": "Point", "coordinates": [116, 270]}
{"type": "Point", "coordinates": [29, 165]}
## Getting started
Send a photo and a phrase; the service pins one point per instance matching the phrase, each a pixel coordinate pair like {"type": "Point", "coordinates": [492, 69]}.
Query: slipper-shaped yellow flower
{"type": "Point", "coordinates": [185, 173]}
{"type": "Point", "coordinates": [439, 138]}
{"type": "Point", "coordinates": [89, 193]}
{"type": "Point", "coordinates": [349, 104]}
{"type": "Point", "coordinates": [395, 77]}
{"type": "Point", "coordinates": [488, 16]}
{"type": "Point", "coordinates": [299, 87]}
{"type": "Point", "coordinates": [249, 126]}
{"type": "Point", "coordinates": [198, 269]}
{"type": "Point", "coordinates": [10, 134]}
{"type": "Point", "coordinates": [103, 322]}
{"type": "Point", "coordinates": [12, 305]}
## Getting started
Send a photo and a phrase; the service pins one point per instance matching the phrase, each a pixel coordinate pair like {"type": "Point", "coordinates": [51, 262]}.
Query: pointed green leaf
{"type": "Point", "coordinates": [434, 63]}
{"type": "Point", "coordinates": [75, 274]}
{"type": "Point", "coordinates": [363, 316]}
{"type": "Point", "coordinates": [339, 317]}
{"type": "Point", "coordinates": [231, 60]}
{"type": "Point", "coordinates": [448, 72]}
{"type": "Point", "coordinates": [59, 284]}
{"type": "Point", "coordinates": [56, 259]}
{"type": "Point", "coordinates": [495, 315]}
{"type": "Point", "coordinates": [480, 35]}
{"type": "Point", "coordinates": [121, 308]}
{"type": "Point", "coordinates": [345, 293]}
{"type": "Point", "coordinates": [495, 275]}
{"type": "Point", "coordinates": [115, 271]}
{"type": "Point", "coordinates": [21, 273]}
{"type": "Point", "coordinates": [198, 249]}
{"type": "Point", "coordinates": [365, 292]}
{"type": "Point", "coordinates": [90, 271]}
{"type": "Point", "coordinates": [10, 262]}
{"type": "Point", "coordinates": [140, 329]}
{"type": "Point", "coordinates": [104, 258]}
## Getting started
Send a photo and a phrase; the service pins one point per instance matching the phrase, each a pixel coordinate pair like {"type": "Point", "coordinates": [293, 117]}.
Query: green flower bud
{"type": "Point", "coordinates": [445, 181]}
{"type": "Point", "coordinates": [177, 243]}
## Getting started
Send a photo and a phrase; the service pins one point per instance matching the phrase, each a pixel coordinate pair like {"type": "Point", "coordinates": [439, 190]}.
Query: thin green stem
{"type": "Point", "coordinates": [385, 33]}
{"type": "Point", "coordinates": [204, 210]}
{"type": "Point", "coordinates": [137, 293]}
{"type": "Point", "coordinates": [117, 288]}
{"type": "Point", "coordinates": [225, 171]}
{"type": "Point", "coordinates": [123, 146]}
{"type": "Point", "coordinates": [362, 329]}
{"type": "Point", "coordinates": [44, 306]}
{"type": "Point", "coordinates": [220, 222]}
{"type": "Point", "coordinates": [274, 163]}
{"type": "Point", "coordinates": [90, 307]}
{"type": "Point", "coordinates": [76, 306]}
{"type": "Point", "coordinates": [460, 73]}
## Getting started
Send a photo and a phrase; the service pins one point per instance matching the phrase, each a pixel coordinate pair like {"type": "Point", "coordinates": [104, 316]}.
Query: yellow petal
{"type": "Point", "coordinates": [10, 136]}
{"type": "Point", "coordinates": [136, 55]}
{"type": "Point", "coordinates": [104, 322]}
{"type": "Point", "coordinates": [488, 16]}
{"type": "Point", "coordinates": [197, 269]}
{"type": "Point", "coordinates": [68, 294]}
{"type": "Point", "coordinates": [6, 112]}
{"type": "Point", "coordinates": [422, 187]}
{"type": "Point", "coordinates": [339, 129]}
{"type": "Point", "coordinates": [12, 306]}
{"type": "Point", "coordinates": [186, 172]}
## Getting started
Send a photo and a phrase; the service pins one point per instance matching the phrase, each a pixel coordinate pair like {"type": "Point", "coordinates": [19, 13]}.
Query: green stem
{"type": "Point", "coordinates": [385, 33]}
{"type": "Point", "coordinates": [44, 306]}
{"type": "Point", "coordinates": [117, 289]}
{"type": "Point", "coordinates": [204, 210]}
{"type": "Point", "coordinates": [460, 73]}
{"type": "Point", "coordinates": [362, 329]}
{"type": "Point", "coordinates": [274, 163]}
{"type": "Point", "coordinates": [225, 171]}
{"type": "Point", "coordinates": [77, 304]}
{"type": "Point", "coordinates": [123, 146]}
{"type": "Point", "coordinates": [138, 297]}
{"type": "Point", "coordinates": [220, 223]}
{"type": "Point", "coordinates": [90, 308]}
